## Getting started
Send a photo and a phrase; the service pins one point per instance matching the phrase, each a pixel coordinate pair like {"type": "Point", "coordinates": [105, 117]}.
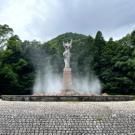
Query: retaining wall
{"type": "Point", "coordinates": [66, 98]}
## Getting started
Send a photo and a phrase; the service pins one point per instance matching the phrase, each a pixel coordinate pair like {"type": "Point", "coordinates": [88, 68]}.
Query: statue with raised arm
{"type": "Point", "coordinates": [67, 54]}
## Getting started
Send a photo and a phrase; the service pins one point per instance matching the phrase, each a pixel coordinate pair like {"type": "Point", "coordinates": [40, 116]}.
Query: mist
{"type": "Point", "coordinates": [49, 80]}
{"type": "Point", "coordinates": [86, 85]}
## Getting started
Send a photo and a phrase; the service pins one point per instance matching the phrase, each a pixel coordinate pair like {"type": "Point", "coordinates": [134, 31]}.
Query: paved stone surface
{"type": "Point", "coordinates": [67, 118]}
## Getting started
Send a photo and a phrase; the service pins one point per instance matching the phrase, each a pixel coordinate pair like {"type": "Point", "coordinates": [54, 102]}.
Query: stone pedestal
{"type": "Point", "coordinates": [67, 83]}
{"type": "Point", "coordinates": [67, 79]}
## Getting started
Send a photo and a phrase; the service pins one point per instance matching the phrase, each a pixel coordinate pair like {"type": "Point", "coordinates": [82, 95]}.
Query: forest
{"type": "Point", "coordinates": [113, 62]}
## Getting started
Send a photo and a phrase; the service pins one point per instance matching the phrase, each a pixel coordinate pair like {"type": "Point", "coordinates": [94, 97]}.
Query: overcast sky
{"type": "Point", "coordinates": [45, 19]}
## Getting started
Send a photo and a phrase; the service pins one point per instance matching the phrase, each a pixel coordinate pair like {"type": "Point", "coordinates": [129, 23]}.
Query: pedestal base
{"type": "Point", "coordinates": [67, 83]}
{"type": "Point", "coordinates": [67, 79]}
{"type": "Point", "coordinates": [69, 92]}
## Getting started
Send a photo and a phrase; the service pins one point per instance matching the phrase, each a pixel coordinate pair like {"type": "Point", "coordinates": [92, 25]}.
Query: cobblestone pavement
{"type": "Point", "coordinates": [67, 118]}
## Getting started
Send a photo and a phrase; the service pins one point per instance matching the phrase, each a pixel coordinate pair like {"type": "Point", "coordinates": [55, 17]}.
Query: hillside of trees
{"type": "Point", "coordinates": [113, 62]}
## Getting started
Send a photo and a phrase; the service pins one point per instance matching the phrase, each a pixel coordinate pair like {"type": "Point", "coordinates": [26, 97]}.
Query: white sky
{"type": "Point", "coordinates": [45, 19]}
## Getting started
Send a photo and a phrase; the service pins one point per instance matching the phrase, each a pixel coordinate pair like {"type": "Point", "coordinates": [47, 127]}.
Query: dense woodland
{"type": "Point", "coordinates": [113, 62]}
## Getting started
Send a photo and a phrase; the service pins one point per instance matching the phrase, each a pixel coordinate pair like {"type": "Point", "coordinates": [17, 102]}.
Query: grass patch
{"type": "Point", "coordinates": [99, 118]}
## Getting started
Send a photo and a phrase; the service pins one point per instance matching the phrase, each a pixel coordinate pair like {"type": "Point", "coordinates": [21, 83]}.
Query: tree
{"type": "Point", "coordinates": [99, 44]}
{"type": "Point", "coordinates": [5, 33]}
{"type": "Point", "coordinates": [133, 38]}
{"type": "Point", "coordinates": [16, 72]}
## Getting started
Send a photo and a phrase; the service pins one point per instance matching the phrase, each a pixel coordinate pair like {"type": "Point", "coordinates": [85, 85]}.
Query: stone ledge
{"type": "Point", "coordinates": [66, 98]}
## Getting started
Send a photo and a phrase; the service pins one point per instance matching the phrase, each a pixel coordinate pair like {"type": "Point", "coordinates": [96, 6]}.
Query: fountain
{"type": "Point", "coordinates": [68, 93]}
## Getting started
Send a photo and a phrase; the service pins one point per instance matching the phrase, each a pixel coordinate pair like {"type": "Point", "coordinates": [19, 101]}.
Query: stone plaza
{"type": "Point", "coordinates": [67, 118]}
